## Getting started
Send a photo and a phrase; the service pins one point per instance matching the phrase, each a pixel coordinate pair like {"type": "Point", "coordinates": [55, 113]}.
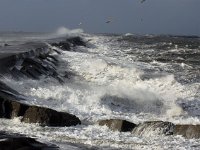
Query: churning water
{"type": "Point", "coordinates": [131, 77]}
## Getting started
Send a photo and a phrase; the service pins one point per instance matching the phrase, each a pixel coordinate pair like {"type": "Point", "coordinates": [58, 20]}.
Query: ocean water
{"type": "Point", "coordinates": [131, 77]}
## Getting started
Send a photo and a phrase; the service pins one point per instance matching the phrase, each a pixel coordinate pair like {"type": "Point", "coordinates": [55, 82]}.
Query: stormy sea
{"type": "Point", "coordinates": [72, 90]}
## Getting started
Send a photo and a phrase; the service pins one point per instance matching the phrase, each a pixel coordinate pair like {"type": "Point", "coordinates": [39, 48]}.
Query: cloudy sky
{"type": "Point", "coordinates": [180, 17]}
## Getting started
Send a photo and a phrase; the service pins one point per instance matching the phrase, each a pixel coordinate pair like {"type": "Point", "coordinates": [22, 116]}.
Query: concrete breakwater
{"type": "Point", "coordinates": [31, 60]}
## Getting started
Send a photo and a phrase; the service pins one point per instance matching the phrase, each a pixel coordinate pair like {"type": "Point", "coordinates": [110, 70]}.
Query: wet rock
{"type": "Point", "coordinates": [46, 116]}
{"type": "Point", "coordinates": [34, 68]}
{"type": "Point", "coordinates": [11, 105]}
{"type": "Point", "coordinates": [31, 72]}
{"type": "Point", "coordinates": [187, 131]}
{"type": "Point", "coordinates": [8, 93]}
{"type": "Point", "coordinates": [17, 74]}
{"type": "Point", "coordinates": [117, 125]}
{"type": "Point", "coordinates": [69, 43]}
{"type": "Point", "coordinates": [62, 45]}
{"type": "Point", "coordinates": [11, 109]}
{"type": "Point", "coordinates": [35, 114]}
{"type": "Point", "coordinates": [29, 60]}
{"type": "Point", "coordinates": [152, 128]}
{"type": "Point", "coordinates": [4, 87]}
{"type": "Point", "coordinates": [11, 54]}
{"type": "Point", "coordinates": [19, 142]}
{"type": "Point", "coordinates": [35, 60]}
{"type": "Point", "coordinates": [76, 41]}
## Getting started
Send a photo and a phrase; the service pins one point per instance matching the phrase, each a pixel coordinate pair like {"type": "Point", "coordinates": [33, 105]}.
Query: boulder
{"type": "Point", "coordinates": [36, 114]}
{"type": "Point", "coordinates": [12, 105]}
{"type": "Point", "coordinates": [187, 131]}
{"type": "Point", "coordinates": [46, 116]}
{"type": "Point", "coordinates": [117, 125]}
{"type": "Point", "coordinates": [152, 128]}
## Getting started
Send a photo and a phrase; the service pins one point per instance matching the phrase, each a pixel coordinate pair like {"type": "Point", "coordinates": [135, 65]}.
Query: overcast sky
{"type": "Point", "coordinates": [180, 17]}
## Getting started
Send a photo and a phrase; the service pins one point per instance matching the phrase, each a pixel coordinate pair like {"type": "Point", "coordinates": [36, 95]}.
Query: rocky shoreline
{"type": "Point", "coordinates": [152, 128]}
{"type": "Point", "coordinates": [31, 60]}
{"type": "Point", "coordinates": [32, 64]}
{"type": "Point", "coordinates": [34, 60]}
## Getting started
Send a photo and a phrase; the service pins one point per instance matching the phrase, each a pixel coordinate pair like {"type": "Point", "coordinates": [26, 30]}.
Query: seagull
{"type": "Point", "coordinates": [108, 21]}
{"type": "Point", "coordinates": [80, 23]}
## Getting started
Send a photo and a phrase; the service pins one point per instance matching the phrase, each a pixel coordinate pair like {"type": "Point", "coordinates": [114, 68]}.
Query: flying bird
{"type": "Point", "coordinates": [142, 1]}
{"type": "Point", "coordinates": [109, 20]}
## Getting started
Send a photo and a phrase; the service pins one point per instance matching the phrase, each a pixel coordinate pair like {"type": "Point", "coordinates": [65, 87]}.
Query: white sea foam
{"type": "Point", "coordinates": [98, 136]}
{"type": "Point", "coordinates": [63, 31]}
{"type": "Point", "coordinates": [102, 80]}
{"type": "Point", "coordinates": [107, 85]}
{"type": "Point", "coordinates": [129, 34]}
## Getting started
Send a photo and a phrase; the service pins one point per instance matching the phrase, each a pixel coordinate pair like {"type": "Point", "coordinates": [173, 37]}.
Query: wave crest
{"type": "Point", "coordinates": [63, 31]}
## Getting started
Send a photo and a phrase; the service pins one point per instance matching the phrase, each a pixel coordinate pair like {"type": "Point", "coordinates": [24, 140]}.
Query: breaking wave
{"type": "Point", "coordinates": [137, 78]}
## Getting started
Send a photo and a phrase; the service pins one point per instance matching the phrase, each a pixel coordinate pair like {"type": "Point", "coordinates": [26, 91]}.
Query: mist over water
{"type": "Point", "coordinates": [61, 32]}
